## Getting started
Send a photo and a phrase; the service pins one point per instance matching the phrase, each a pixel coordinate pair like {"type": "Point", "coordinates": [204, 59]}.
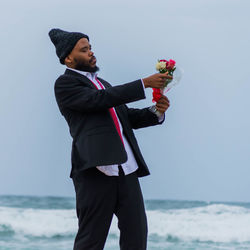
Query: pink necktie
{"type": "Point", "coordinates": [112, 113]}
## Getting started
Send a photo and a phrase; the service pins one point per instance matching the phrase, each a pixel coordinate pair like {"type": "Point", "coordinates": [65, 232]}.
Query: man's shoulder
{"type": "Point", "coordinates": [62, 80]}
{"type": "Point", "coordinates": [69, 76]}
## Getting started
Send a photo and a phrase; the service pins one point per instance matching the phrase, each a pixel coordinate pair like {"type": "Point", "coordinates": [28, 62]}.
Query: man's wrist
{"type": "Point", "coordinates": [154, 110]}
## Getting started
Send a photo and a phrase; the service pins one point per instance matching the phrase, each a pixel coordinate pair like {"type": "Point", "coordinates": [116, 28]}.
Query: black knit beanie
{"type": "Point", "coordinates": [64, 42]}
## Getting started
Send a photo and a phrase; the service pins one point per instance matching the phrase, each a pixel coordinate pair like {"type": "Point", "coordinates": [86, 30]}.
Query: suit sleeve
{"type": "Point", "coordinates": [141, 118]}
{"type": "Point", "coordinates": [75, 95]}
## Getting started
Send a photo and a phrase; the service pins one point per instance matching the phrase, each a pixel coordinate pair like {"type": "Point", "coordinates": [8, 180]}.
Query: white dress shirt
{"type": "Point", "coordinates": [130, 165]}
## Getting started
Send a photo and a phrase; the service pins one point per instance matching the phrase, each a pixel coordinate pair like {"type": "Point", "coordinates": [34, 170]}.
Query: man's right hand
{"type": "Point", "coordinates": [156, 81]}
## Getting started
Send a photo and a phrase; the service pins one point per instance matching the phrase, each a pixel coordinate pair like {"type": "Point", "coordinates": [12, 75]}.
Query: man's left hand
{"type": "Point", "coordinates": [163, 104]}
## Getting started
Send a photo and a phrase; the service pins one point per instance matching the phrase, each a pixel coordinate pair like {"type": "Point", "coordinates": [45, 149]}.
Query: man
{"type": "Point", "coordinates": [106, 159]}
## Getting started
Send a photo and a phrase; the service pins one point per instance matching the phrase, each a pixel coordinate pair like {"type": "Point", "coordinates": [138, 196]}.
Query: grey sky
{"type": "Point", "coordinates": [201, 152]}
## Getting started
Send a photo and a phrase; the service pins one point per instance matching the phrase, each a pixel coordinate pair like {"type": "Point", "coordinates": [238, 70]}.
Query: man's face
{"type": "Point", "coordinates": [81, 57]}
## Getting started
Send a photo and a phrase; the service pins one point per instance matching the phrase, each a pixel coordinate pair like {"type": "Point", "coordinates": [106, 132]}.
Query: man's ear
{"type": "Point", "coordinates": [68, 60]}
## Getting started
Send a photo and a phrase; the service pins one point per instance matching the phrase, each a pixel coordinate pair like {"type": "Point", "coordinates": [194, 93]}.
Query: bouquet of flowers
{"type": "Point", "coordinates": [164, 66]}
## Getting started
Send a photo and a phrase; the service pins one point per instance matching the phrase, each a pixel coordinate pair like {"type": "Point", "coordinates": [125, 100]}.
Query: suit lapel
{"type": "Point", "coordinates": [103, 83]}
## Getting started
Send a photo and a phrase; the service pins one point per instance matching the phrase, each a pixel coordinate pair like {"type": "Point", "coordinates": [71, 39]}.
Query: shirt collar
{"type": "Point", "coordinates": [90, 75]}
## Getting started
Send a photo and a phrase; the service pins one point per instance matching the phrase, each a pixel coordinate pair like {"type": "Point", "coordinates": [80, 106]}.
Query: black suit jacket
{"type": "Point", "coordinates": [95, 138]}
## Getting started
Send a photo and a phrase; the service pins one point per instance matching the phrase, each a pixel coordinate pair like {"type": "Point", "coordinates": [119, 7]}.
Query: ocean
{"type": "Point", "coordinates": [50, 223]}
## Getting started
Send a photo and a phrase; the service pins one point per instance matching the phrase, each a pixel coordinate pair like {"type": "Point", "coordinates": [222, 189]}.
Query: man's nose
{"type": "Point", "coordinates": [91, 53]}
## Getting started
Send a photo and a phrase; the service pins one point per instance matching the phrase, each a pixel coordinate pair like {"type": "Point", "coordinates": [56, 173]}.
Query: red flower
{"type": "Point", "coordinates": [156, 95]}
{"type": "Point", "coordinates": [171, 64]}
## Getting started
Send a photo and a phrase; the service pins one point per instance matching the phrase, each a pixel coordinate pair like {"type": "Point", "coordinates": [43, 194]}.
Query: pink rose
{"type": "Point", "coordinates": [171, 64]}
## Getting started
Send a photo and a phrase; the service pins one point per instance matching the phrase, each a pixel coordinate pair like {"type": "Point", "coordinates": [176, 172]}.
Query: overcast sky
{"type": "Point", "coordinates": [201, 152]}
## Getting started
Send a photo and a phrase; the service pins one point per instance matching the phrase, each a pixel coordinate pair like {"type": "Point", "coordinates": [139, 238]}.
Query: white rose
{"type": "Point", "coordinates": [160, 65]}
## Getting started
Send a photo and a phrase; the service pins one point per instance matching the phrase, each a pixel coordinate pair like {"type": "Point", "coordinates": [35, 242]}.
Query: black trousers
{"type": "Point", "coordinates": [98, 197]}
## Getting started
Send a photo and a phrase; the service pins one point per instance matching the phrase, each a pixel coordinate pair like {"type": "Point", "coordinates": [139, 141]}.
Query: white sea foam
{"type": "Point", "coordinates": [38, 222]}
{"type": "Point", "coordinates": [216, 223]}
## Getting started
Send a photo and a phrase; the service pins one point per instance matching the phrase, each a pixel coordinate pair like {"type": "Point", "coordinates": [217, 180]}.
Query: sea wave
{"type": "Point", "coordinates": [211, 223]}
{"type": "Point", "coordinates": [214, 223]}
{"type": "Point", "coordinates": [38, 222]}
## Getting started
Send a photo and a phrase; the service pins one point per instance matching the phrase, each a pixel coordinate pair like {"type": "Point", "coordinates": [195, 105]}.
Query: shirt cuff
{"type": "Point", "coordinates": [143, 84]}
{"type": "Point", "coordinates": [161, 117]}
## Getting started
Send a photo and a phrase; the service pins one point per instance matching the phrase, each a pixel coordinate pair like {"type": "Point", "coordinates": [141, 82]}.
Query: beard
{"type": "Point", "coordinates": [83, 67]}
